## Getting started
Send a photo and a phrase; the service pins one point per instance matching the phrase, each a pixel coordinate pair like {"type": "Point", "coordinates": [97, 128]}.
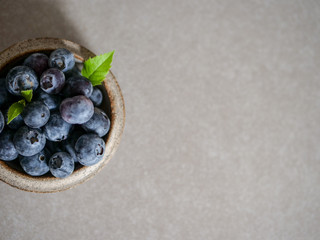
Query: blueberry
{"type": "Point", "coordinates": [74, 72]}
{"type": "Point", "coordinates": [62, 59]}
{"type": "Point", "coordinates": [51, 101]}
{"type": "Point", "coordinates": [36, 165]}
{"type": "Point", "coordinates": [69, 144]}
{"type": "Point", "coordinates": [61, 164]}
{"type": "Point", "coordinates": [21, 78]}
{"type": "Point", "coordinates": [90, 149]}
{"type": "Point", "coordinates": [8, 151]}
{"type": "Point", "coordinates": [2, 122]}
{"type": "Point", "coordinates": [15, 123]}
{"type": "Point", "coordinates": [69, 149]}
{"type": "Point", "coordinates": [52, 81]}
{"type": "Point", "coordinates": [36, 114]}
{"type": "Point", "coordinates": [77, 86]}
{"type": "Point", "coordinates": [56, 129]}
{"type": "Point", "coordinates": [96, 97]}
{"type": "Point", "coordinates": [99, 123]}
{"type": "Point", "coordinates": [28, 141]}
{"type": "Point", "coordinates": [5, 96]}
{"type": "Point", "coordinates": [76, 110]}
{"type": "Point", "coordinates": [38, 62]}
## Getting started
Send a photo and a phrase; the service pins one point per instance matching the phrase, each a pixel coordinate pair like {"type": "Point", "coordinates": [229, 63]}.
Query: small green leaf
{"type": "Point", "coordinates": [15, 110]}
{"type": "Point", "coordinates": [97, 68]}
{"type": "Point", "coordinates": [27, 94]}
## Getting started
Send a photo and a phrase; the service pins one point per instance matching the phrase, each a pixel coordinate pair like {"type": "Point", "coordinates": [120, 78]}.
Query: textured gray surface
{"type": "Point", "coordinates": [222, 134]}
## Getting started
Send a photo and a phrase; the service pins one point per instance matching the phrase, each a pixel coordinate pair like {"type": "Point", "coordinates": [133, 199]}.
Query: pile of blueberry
{"type": "Point", "coordinates": [61, 126]}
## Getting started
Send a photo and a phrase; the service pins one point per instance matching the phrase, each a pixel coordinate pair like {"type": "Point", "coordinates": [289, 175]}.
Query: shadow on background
{"type": "Point", "coordinates": [20, 20]}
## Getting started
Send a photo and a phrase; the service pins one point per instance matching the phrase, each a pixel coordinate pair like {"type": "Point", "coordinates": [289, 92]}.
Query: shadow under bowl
{"type": "Point", "coordinates": [113, 104]}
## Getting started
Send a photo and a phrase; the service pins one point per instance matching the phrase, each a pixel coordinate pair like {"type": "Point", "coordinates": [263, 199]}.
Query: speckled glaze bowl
{"type": "Point", "coordinates": [113, 105]}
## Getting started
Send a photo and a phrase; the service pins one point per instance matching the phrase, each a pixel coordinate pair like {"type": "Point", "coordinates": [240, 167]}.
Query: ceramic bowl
{"type": "Point", "coordinates": [113, 104]}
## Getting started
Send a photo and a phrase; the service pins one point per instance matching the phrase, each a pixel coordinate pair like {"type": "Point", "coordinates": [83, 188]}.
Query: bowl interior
{"type": "Point", "coordinates": [105, 106]}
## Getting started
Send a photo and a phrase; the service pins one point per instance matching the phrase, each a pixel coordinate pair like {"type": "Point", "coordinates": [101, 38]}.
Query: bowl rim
{"type": "Point", "coordinates": [28, 183]}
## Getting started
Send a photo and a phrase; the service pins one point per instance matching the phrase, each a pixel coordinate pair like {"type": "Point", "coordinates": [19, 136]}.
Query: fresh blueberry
{"type": "Point", "coordinates": [36, 165]}
{"type": "Point", "coordinates": [3, 92]}
{"type": "Point", "coordinates": [5, 96]}
{"type": "Point", "coordinates": [70, 143]}
{"type": "Point", "coordinates": [28, 141]}
{"type": "Point", "coordinates": [57, 129]}
{"type": "Point", "coordinates": [38, 62]}
{"type": "Point", "coordinates": [77, 86]}
{"type": "Point", "coordinates": [62, 59]}
{"type": "Point", "coordinates": [90, 149]}
{"type": "Point", "coordinates": [74, 72]}
{"type": "Point", "coordinates": [52, 81]}
{"type": "Point", "coordinates": [16, 123]}
{"type": "Point", "coordinates": [8, 151]}
{"type": "Point", "coordinates": [96, 97]}
{"type": "Point", "coordinates": [36, 114]}
{"type": "Point", "coordinates": [21, 78]}
{"type": "Point", "coordinates": [76, 110]}
{"type": "Point", "coordinates": [2, 122]}
{"type": "Point", "coordinates": [69, 149]}
{"type": "Point", "coordinates": [99, 123]}
{"type": "Point", "coordinates": [51, 101]}
{"type": "Point", "coordinates": [61, 164]}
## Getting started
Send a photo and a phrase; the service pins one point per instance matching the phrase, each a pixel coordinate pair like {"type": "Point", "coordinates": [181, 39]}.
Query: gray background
{"type": "Point", "coordinates": [222, 132]}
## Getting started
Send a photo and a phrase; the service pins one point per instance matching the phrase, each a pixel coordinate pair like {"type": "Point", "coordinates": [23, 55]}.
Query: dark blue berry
{"type": "Point", "coordinates": [36, 165]}
{"type": "Point", "coordinates": [52, 81]}
{"type": "Point", "coordinates": [77, 86]}
{"type": "Point", "coordinates": [90, 149]}
{"type": "Point", "coordinates": [2, 122]}
{"type": "Point", "coordinates": [36, 114]}
{"type": "Point", "coordinates": [69, 144]}
{"type": "Point", "coordinates": [51, 101]}
{"type": "Point", "coordinates": [8, 151]}
{"type": "Point", "coordinates": [21, 78]}
{"type": "Point", "coordinates": [28, 141]}
{"type": "Point", "coordinates": [16, 123]}
{"type": "Point", "coordinates": [5, 97]}
{"type": "Point", "coordinates": [57, 129]}
{"type": "Point", "coordinates": [61, 164]}
{"type": "Point", "coordinates": [62, 59]}
{"type": "Point", "coordinates": [74, 72]}
{"type": "Point", "coordinates": [96, 97]}
{"type": "Point", "coordinates": [99, 123]}
{"type": "Point", "coordinates": [38, 62]}
{"type": "Point", "coordinates": [76, 110]}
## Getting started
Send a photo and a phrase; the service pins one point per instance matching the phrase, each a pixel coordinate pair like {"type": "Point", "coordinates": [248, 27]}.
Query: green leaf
{"type": "Point", "coordinates": [27, 94]}
{"type": "Point", "coordinates": [97, 68]}
{"type": "Point", "coordinates": [15, 110]}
